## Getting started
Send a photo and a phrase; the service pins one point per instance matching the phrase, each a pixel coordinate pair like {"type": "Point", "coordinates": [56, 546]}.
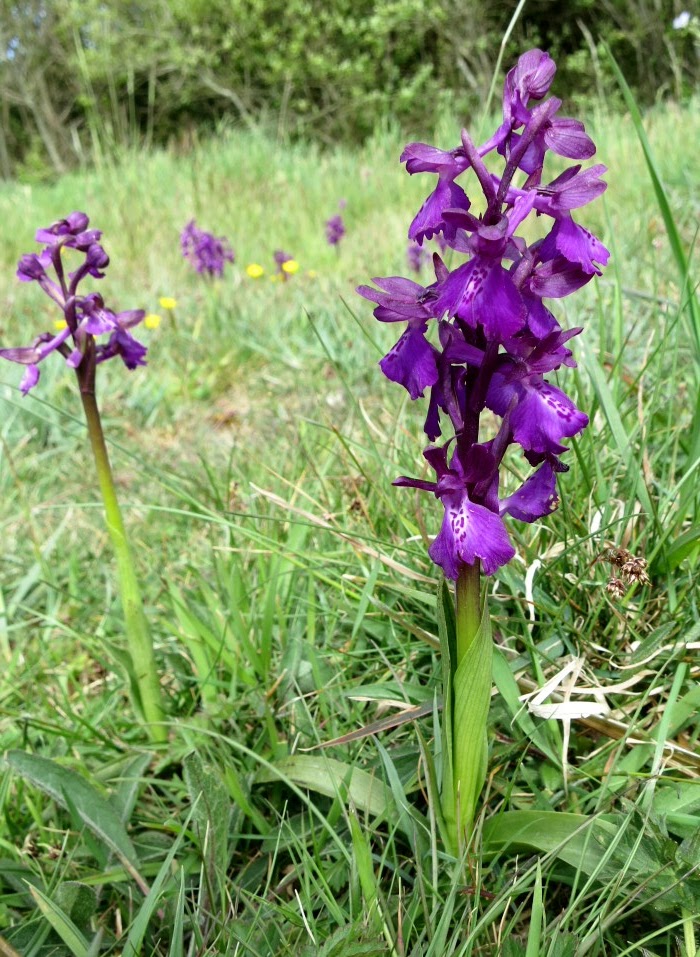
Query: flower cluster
{"type": "Point", "coordinates": [335, 229]}
{"type": "Point", "coordinates": [207, 253]}
{"type": "Point", "coordinates": [286, 264]}
{"type": "Point", "coordinates": [495, 340]}
{"type": "Point", "coordinates": [85, 317]}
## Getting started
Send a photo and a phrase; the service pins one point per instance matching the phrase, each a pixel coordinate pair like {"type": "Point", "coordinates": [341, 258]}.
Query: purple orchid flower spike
{"type": "Point", "coordinates": [335, 230]}
{"type": "Point", "coordinates": [88, 334]}
{"type": "Point", "coordinates": [498, 341]}
{"type": "Point", "coordinates": [207, 253]}
{"type": "Point", "coordinates": [86, 317]}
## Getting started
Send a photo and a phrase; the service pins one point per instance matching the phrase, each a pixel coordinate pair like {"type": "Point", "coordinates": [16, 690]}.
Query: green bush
{"type": "Point", "coordinates": [84, 76]}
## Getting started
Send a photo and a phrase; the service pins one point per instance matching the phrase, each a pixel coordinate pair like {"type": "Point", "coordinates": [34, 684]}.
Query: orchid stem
{"type": "Point", "coordinates": [144, 676]}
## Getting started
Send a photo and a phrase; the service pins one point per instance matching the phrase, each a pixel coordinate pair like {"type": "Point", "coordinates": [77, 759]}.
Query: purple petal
{"type": "Point", "coordinates": [429, 219]}
{"type": "Point", "coordinates": [461, 286]}
{"type": "Point", "coordinates": [421, 158]}
{"type": "Point", "coordinates": [431, 426]}
{"type": "Point", "coordinates": [569, 192]}
{"type": "Point", "coordinates": [558, 278]}
{"type": "Point", "coordinates": [398, 287]}
{"type": "Point", "coordinates": [500, 306]}
{"type": "Point", "coordinates": [132, 351]}
{"type": "Point", "coordinates": [470, 532]}
{"type": "Point", "coordinates": [130, 318]}
{"type": "Point", "coordinates": [74, 359]}
{"type": "Point", "coordinates": [533, 74]}
{"type": "Point", "coordinates": [25, 355]}
{"type": "Point", "coordinates": [403, 481]}
{"type": "Point", "coordinates": [31, 267]}
{"type": "Point", "coordinates": [411, 363]}
{"type": "Point", "coordinates": [398, 299]}
{"type": "Point", "coordinates": [567, 137]}
{"type": "Point", "coordinates": [576, 244]}
{"type": "Point", "coordinates": [544, 416]}
{"type": "Point", "coordinates": [540, 320]}
{"type": "Point", "coordinates": [536, 497]}
{"type": "Point", "coordinates": [29, 379]}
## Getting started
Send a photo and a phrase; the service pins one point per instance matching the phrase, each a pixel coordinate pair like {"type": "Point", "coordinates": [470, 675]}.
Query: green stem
{"type": "Point", "coordinates": [145, 683]}
{"type": "Point", "coordinates": [467, 607]}
{"type": "Point", "coordinates": [688, 934]}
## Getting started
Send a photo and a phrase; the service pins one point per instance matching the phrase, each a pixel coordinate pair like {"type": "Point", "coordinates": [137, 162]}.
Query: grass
{"type": "Point", "coordinates": [293, 602]}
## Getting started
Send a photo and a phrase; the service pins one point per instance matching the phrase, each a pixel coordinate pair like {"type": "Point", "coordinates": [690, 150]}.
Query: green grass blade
{"type": "Point", "coordinates": [534, 934]}
{"type": "Point", "coordinates": [686, 283]}
{"type": "Point", "coordinates": [137, 931]}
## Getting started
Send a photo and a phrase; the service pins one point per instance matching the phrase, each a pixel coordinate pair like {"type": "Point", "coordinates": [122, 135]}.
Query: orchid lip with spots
{"type": "Point", "coordinates": [496, 339]}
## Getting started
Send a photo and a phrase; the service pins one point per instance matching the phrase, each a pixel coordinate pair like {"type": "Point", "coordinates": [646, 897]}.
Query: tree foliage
{"type": "Point", "coordinates": [84, 76]}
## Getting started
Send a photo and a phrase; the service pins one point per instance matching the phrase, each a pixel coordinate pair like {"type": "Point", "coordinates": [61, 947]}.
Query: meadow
{"type": "Point", "coordinates": [293, 602]}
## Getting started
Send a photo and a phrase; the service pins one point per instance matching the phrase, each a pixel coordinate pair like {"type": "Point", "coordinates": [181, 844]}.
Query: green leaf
{"type": "Point", "coordinates": [619, 434]}
{"type": "Point", "coordinates": [71, 790]}
{"type": "Point", "coordinates": [129, 785]}
{"type": "Point", "coordinates": [680, 798]}
{"type": "Point", "coordinates": [177, 941]}
{"type": "Point", "coordinates": [471, 694]}
{"type": "Point", "coordinates": [7, 950]}
{"type": "Point", "coordinates": [77, 900]}
{"type": "Point", "coordinates": [212, 813]}
{"type": "Point", "coordinates": [362, 860]}
{"type": "Point", "coordinates": [61, 923]}
{"type": "Point", "coordinates": [681, 548]}
{"type": "Point", "coordinates": [570, 837]}
{"type": "Point", "coordinates": [332, 778]}
{"type": "Point", "coordinates": [537, 919]}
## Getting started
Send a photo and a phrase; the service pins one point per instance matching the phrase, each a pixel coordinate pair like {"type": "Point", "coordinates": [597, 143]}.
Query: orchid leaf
{"type": "Point", "coordinates": [72, 791]}
{"type": "Point", "coordinates": [332, 778]}
{"type": "Point", "coordinates": [471, 692]}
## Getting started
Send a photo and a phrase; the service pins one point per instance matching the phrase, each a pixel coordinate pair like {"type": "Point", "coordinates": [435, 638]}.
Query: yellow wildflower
{"type": "Point", "coordinates": [167, 302]}
{"type": "Point", "coordinates": [152, 320]}
{"type": "Point", "coordinates": [255, 270]}
{"type": "Point", "coordinates": [290, 267]}
{"type": "Point", "coordinates": [59, 324]}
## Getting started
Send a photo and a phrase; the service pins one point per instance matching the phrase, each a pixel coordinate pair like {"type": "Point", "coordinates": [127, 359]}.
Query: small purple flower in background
{"type": "Point", "coordinates": [416, 256]}
{"type": "Point", "coordinates": [286, 264]}
{"type": "Point", "coordinates": [85, 317]}
{"type": "Point", "coordinates": [335, 229]}
{"type": "Point", "coordinates": [207, 253]}
{"type": "Point", "coordinates": [496, 338]}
